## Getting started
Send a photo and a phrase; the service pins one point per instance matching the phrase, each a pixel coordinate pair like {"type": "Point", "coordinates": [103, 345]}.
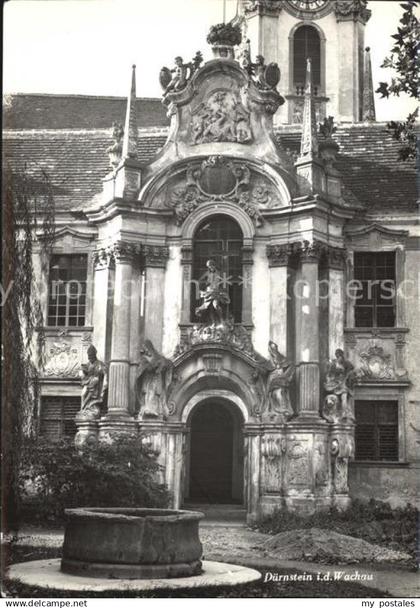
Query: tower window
{"type": "Point", "coordinates": [306, 43]}
{"type": "Point", "coordinates": [218, 238]}
{"type": "Point", "coordinates": [67, 290]}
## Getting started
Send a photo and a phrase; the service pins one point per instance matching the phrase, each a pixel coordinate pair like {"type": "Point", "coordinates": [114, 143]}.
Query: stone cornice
{"type": "Point", "coordinates": [352, 10]}
{"type": "Point", "coordinates": [270, 8]}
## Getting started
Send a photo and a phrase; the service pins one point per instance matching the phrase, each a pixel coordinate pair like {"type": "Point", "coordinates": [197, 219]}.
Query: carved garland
{"type": "Point", "coordinates": [216, 179]}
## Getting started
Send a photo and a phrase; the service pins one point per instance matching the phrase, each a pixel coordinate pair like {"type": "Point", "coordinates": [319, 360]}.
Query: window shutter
{"type": "Point", "coordinates": [376, 430]}
{"type": "Point", "coordinates": [57, 416]}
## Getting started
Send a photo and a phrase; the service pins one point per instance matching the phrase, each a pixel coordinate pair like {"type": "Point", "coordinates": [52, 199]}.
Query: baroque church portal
{"type": "Point", "coordinates": [214, 316]}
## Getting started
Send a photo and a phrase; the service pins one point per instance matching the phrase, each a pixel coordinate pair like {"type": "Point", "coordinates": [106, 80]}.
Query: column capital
{"type": "Point", "coordinates": [279, 255]}
{"type": "Point", "coordinates": [336, 258]}
{"type": "Point", "coordinates": [155, 255]}
{"type": "Point", "coordinates": [102, 258]}
{"type": "Point", "coordinates": [312, 251]}
{"type": "Point", "coordinates": [124, 253]}
{"type": "Point", "coordinates": [352, 10]}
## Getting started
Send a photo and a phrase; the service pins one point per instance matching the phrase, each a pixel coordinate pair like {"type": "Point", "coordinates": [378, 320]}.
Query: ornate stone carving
{"type": "Point", "coordinates": [263, 7]}
{"type": "Point", "coordinates": [220, 178]}
{"type": "Point", "coordinates": [115, 150]}
{"type": "Point", "coordinates": [297, 462]}
{"type": "Point", "coordinates": [273, 449]}
{"type": "Point", "coordinates": [153, 382]}
{"type": "Point", "coordinates": [338, 384]}
{"type": "Point", "coordinates": [225, 34]}
{"type": "Point", "coordinates": [225, 333]}
{"type": "Point", "coordinates": [152, 442]}
{"type": "Point", "coordinates": [62, 360]}
{"type": "Point", "coordinates": [321, 468]}
{"type": "Point", "coordinates": [336, 257]}
{"type": "Point", "coordinates": [265, 77]}
{"type": "Point", "coordinates": [93, 378]}
{"type": "Point", "coordinates": [103, 258]}
{"type": "Point", "coordinates": [376, 364]}
{"type": "Point", "coordinates": [312, 251]}
{"type": "Point", "coordinates": [123, 252]}
{"type": "Point", "coordinates": [222, 118]}
{"type": "Point", "coordinates": [278, 382]}
{"type": "Point", "coordinates": [342, 449]}
{"type": "Point", "coordinates": [213, 363]}
{"type": "Point", "coordinates": [327, 128]}
{"type": "Point", "coordinates": [177, 78]}
{"type": "Point", "coordinates": [280, 255]}
{"type": "Point", "coordinates": [352, 8]}
{"type": "Point", "coordinates": [155, 255]}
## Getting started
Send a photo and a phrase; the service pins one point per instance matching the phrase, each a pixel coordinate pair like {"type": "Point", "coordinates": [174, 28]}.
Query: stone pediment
{"type": "Point", "coordinates": [218, 178]}
{"type": "Point", "coordinates": [374, 236]}
{"type": "Point", "coordinates": [223, 109]}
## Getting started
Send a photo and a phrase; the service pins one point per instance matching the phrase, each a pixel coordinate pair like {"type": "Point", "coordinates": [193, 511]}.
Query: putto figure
{"type": "Point", "coordinates": [339, 381]}
{"type": "Point", "coordinates": [153, 382]}
{"type": "Point", "coordinates": [212, 310]}
{"type": "Point", "coordinates": [94, 384]}
{"type": "Point", "coordinates": [177, 78]}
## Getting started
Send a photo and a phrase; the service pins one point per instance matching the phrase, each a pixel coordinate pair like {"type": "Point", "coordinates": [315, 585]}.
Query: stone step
{"type": "Point", "coordinates": [219, 512]}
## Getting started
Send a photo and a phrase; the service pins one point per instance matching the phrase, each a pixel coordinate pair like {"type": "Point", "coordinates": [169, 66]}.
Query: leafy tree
{"type": "Point", "coordinates": [28, 208]}
{"type": "Point", "coordinates": [57, 475]}
{"type": "Point", "coordinates": [403, 59]}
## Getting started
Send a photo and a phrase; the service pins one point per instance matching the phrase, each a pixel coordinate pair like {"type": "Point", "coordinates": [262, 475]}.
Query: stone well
{"type": "Point", "coordinates": [127, 543]}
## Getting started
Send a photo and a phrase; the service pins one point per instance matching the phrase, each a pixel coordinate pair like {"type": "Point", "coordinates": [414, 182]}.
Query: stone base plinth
{"type": "Point", "coordinates": [87, 431]}
{"type": "Point", "coordinates": [114, 424]}
{"type": "Point", "coordinates": [46, 574]}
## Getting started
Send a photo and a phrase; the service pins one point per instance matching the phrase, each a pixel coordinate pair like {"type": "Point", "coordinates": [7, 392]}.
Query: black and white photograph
{"type": "Point", "coordinates": [210, 302]}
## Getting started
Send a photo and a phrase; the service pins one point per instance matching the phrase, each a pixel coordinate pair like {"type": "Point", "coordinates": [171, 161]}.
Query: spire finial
{"type": "Point", "coordinates": [309, 142]}
{"type": "Point", "coordinates": [130, 130]}
{"type": "Point", "coordinates": [368, 101]}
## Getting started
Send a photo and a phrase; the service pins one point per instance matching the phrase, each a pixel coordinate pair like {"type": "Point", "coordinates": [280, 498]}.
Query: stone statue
{"type": "Point", "coordinates": [339, 381]}
{"type": "Point", "coordinates": [177, 78]}
{"type": "Point", "coordinates": [278, 382]}
{"type": "Point", "coordinates": [266, 76]}
{"type": "Point", "coordinates": [330, 408]}
{"type": "Point", "coordinates": [94, 384]}
{"type": "Point", "coordinates": [153, 382]}
{"type": "Point", "coordinates": [212, 310]}
{"type": "Point", "coordinates": [115, 150]}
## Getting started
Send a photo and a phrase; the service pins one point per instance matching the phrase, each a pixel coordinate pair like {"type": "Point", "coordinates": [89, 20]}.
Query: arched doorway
{"type": "Point", "coordinates": [215, 472]}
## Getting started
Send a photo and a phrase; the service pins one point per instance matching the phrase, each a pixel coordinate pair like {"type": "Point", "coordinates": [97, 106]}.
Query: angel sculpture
{"type": "Point", "coordinates": [153, 382]}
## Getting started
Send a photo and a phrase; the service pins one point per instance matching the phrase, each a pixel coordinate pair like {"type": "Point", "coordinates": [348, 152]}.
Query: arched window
{"type": "Point", "coordinates": [306, 43]}
{"type": "Point", "coordinates": [218, 238]}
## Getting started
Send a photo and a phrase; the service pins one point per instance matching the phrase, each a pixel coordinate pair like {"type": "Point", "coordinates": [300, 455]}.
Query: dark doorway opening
{"type": "Point", "coordinates": [216, 454]}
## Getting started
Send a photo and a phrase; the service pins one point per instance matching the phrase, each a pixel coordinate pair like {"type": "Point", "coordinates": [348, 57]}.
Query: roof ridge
{"type": "Point", "coordinates": [81, 96]}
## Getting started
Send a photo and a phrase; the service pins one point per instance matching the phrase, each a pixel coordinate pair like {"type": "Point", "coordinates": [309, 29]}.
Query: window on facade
{"type": "Point", "coordinates": [57, 416]}
{"type": "Point", "coordinates": [375, 298]}
{"type": "Point", "coordinates": [220, 239]}
{"type": "Point", "coordinates": [306, 43]}
{"type": "Point", "coordinates": [376, 430]}
{"type": "Point", "coordinates": [67, 290]}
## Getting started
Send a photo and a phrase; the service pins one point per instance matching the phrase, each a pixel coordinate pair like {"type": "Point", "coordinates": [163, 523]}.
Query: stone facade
{"type": "Point", "coordinates": [289, 371]}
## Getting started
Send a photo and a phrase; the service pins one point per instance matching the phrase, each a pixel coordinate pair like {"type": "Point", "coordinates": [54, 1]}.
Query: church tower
{"type": "Point", "coordinates": [331, 34]}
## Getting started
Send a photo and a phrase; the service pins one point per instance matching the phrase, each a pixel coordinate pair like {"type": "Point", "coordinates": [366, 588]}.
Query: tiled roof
{"type": "Point", "coordinates": [22, 111]}
{"type": "Point", "coordinates": [76, 160]}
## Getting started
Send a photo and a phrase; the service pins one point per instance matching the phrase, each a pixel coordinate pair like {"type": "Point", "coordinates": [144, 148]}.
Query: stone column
{"type": "Point", "coordinates": [118, 417]}
{"type": "Point", "coordinates": [335, 277]}
{"type": "Point", "coordinates": [252, 433]}
{"type": "Point", "coordinates": [247, 262]}
{"type": "Point", "coordinates": [154, 257]}
{"type": "Point", "coordinates": [135, 332]}
{"type": "Point", "coordinates": [103, 301]}
{"type": "Point", "coordinates": [307, 344]}
{"type": "Point", "coordinates": [278, 256]}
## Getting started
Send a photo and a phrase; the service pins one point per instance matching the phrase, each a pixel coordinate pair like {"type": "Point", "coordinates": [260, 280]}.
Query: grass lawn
{"type": "Point", "coordinates": [336, 589]}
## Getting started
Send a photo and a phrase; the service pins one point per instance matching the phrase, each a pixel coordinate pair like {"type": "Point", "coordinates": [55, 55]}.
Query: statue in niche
{"type": "Point", "coordinates": [278, 383]}
{"type": "Point", "coordinates": [153, 382]}
{"type": "Point", "coordinates": [212, 310]}
{"type": "Point", "coordinates": [94, 385]}
{"type": "Point", "coordinates": [339, 381]}
{"type": "Point", "coordinates": [341, 451]}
